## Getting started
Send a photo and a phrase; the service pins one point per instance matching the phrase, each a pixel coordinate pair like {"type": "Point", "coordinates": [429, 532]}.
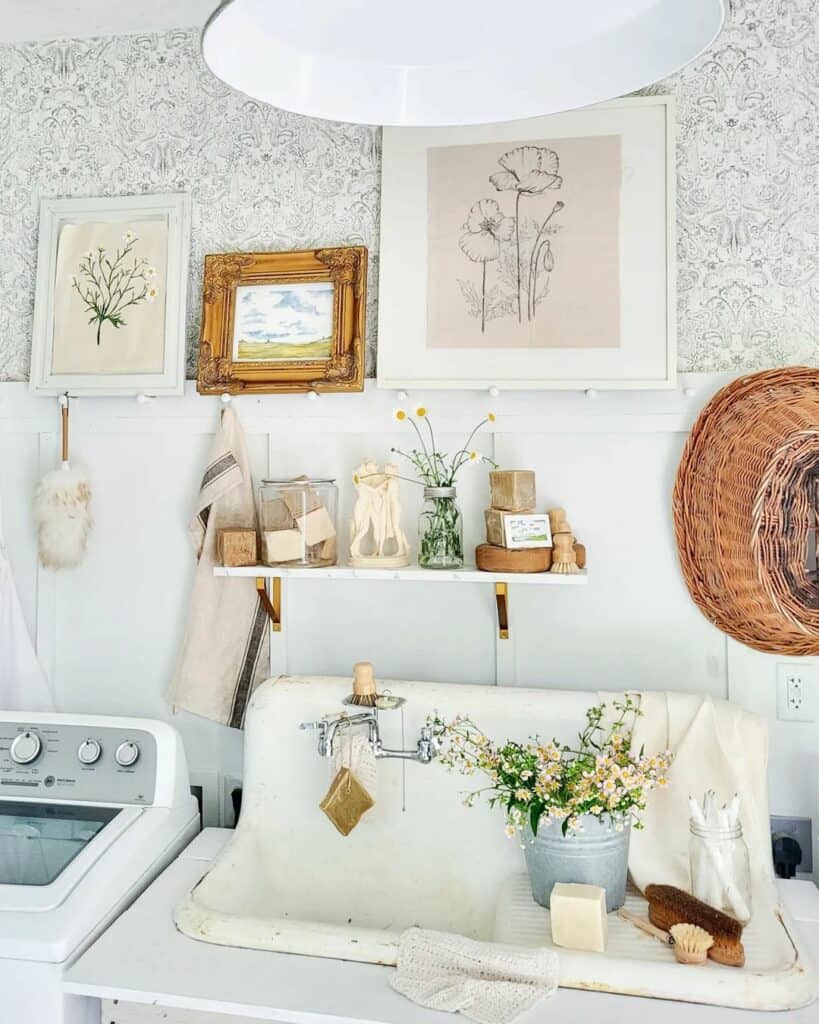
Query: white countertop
{"type": "Point", "coordinates": [142, 958]}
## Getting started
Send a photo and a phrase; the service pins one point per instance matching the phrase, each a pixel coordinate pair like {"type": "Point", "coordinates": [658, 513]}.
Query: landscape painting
{"type": "Point", "coordinates": [283, 322]}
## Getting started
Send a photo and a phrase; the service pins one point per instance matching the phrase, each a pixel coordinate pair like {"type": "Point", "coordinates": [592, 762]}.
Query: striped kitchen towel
{"type": "Point", "coordinates": [226, 646]}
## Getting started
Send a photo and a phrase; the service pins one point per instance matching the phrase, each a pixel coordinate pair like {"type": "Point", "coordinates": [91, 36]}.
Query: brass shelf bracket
{"type": "Point", "coordinates": [502, 601]}
{"type": "Point", "coordinates": [273, 606]}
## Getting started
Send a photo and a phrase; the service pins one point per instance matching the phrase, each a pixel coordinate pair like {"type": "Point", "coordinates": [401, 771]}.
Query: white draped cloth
{"type": "Point", "coordinates": [716, 745]}
{"type": "Point", "coordinates": [23, 685]}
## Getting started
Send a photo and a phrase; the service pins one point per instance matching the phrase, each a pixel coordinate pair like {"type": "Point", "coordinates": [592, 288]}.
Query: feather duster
{"type": "Point", "coordinates": [61, 510]}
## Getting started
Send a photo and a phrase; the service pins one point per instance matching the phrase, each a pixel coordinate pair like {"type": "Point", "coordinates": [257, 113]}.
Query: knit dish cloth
{"type": "Point", "coordinates": [488, 982]}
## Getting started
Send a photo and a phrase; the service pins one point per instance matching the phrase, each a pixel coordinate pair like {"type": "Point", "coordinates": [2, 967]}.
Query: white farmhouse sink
{"type": "Point", "coordinates": [287, 881]}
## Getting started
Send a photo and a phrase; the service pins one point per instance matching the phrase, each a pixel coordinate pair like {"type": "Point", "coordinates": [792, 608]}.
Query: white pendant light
{"type": "Point", "coordinates": [448, 62]}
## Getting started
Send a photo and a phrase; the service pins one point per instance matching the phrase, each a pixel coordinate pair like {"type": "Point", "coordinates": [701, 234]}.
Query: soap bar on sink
{"type": "Point", "coordinates": [579, 916]}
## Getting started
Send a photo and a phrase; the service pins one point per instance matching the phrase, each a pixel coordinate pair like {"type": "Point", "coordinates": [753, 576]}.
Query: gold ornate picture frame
{"type": "Point", "coordinates": [278, 322]}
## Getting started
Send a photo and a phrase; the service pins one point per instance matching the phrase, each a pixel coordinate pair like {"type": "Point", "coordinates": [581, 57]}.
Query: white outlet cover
{"type": "Point", "coordinates": [797, 684]}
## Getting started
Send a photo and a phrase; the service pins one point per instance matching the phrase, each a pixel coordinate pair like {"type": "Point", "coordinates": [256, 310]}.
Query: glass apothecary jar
{"type": "Point", "coordinates": [297, 522]}
{"type": "Point", "coordinates": [721, 869]}
{"type": "Point", "coordinates": [440, 530]}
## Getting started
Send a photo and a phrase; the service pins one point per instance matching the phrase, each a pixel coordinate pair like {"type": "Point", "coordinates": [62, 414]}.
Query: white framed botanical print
{"type": "Point", "coordinates": [532, 254]}
{"type": "Point", "coordinates": [110, 301]}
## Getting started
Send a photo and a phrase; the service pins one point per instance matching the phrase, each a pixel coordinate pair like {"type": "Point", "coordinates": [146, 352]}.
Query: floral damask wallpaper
{"type": "Point", "coordinates": [142, 114]}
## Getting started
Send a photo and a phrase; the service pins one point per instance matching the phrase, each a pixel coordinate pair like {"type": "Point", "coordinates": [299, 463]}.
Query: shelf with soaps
{"type": "Point", "coordinates": [521, 540]}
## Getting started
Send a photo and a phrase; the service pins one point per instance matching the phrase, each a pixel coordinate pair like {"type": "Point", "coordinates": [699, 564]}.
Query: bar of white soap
{"type": "Point", "coordinates": [579, 916]}
{"type": "Point", "coordinates": [283, 546]}
{"type": "Point", "coordinates": [316, 526]}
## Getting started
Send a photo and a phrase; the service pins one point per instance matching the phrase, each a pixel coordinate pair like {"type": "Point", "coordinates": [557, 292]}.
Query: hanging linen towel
{"type": "Point", "coordinates": [225, 652]}
{"type": "Point", "coordinates": [23, 685]}
{"type": "Point", "coordinates": [487, 982]}
{"type": "Point", "coordinates": [716, 745]}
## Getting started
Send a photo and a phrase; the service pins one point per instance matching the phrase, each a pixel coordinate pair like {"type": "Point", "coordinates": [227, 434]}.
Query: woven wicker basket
{"type": "Point", "coordinates": [744, 503]}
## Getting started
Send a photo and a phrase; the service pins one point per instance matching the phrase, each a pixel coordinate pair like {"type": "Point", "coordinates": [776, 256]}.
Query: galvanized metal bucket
{"type": "Point", "coordinates": [597, 855]}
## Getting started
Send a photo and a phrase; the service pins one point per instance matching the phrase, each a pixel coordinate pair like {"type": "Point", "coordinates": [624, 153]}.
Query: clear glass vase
{"type": "Point", "coordinates": [440, 530]}
{"type": "Point", "coordinates": [721, 869]}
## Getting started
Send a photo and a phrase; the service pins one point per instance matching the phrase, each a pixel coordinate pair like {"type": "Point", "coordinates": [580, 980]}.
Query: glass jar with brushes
{"type": "Point", "coordinates": [720, 866]}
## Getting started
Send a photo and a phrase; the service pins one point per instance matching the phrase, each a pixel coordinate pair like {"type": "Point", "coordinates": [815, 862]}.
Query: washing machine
{"type": "Point", "coordinates": [91, 810]}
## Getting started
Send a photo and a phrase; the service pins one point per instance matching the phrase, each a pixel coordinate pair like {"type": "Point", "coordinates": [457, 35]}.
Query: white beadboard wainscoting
{"type": "Point", "coordinates": [108, 632]}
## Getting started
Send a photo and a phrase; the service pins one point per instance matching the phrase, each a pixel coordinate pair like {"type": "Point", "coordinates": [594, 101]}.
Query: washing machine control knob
{"type": "Point", "coordinates": [25, 748]}
{"type": "Point", "coordinates": [127, 754]}
{"type": "Point", "coordinates": [89, 751]}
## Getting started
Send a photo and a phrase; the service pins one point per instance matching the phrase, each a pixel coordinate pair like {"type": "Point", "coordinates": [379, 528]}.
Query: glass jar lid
{"type": "Point", "coordinates": [439, 492]}
{"type": "Point", "coordinates": [715, 833]}
{"type": "Point", "coordinates": [300, 481]}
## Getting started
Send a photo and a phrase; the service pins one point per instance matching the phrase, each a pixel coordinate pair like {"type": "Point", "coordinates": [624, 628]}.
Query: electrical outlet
{"type": "Point", "coordinates": [231, 786]}
{"type": "Point", "coordinates": [796, 688]}
{"type": "Point", "coordinates": [800, 829]}
{"type": "Point", "coordinates": [205, 786]}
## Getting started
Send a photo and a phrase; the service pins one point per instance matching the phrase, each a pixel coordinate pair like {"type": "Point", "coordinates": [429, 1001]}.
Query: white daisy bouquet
{"type": "Point", "coordinates": [540, 783]}
{"type": "Point", "coordinates": [434, 468]}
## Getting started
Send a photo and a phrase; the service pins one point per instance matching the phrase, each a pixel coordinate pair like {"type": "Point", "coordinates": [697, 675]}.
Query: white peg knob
{"type": "Point", "coordinates": [494, 391]}
{"type": "Point", "coordinates": [689, 392]}
{"type": "Point", "coordinates": [591, 393]}
{"type": "Point", "coordinates": [141, 399]}
{"type": "Point", "coordinates": [402, 396]}
{"type": "Point", "coordinates": [226, 398]}
{"type": "Point", "coordinates": [312, 395]}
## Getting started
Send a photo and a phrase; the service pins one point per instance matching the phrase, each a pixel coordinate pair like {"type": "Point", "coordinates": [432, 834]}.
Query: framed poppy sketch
{"type": "Point", "coordinates": [109, 314]}
{"type": "Point", "coordinates": [534, 254]}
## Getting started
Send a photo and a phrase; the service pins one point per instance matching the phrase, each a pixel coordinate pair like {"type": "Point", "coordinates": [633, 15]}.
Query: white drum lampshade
{"type": "Point", "coordinates": [450, 62]}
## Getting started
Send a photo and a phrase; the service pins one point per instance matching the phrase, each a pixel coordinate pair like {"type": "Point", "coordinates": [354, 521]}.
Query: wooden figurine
{"type": "Point", "coordinates": [564, 558]}
{"type": "Point", "coordinates": [376, 537]}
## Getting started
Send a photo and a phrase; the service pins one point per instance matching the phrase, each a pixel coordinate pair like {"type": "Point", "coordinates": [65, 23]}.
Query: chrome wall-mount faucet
{"type": "Point", "coordinates": [426, 749]}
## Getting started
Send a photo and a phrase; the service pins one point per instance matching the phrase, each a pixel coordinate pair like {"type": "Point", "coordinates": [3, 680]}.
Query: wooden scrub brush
{"type": "Point", "coordinates": [364, 692]}
{"type": "Point", "coordinates": [689, 942]}
{"type": "Point", "coordinates": [669, 906]}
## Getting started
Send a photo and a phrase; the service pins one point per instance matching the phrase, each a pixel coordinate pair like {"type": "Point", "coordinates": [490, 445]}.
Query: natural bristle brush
{"type": "Point", "coordinates": [364, 693]}
{"type": "Point", "coordinates": [689, 942]}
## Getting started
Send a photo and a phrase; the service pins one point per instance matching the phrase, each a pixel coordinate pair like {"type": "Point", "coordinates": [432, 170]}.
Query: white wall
{"type": "Point", "coordinates": [108, 632]}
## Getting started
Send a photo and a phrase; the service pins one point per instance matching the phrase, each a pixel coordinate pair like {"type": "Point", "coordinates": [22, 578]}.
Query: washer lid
{"type": "Point", "coordinates": [38, 841]}
{"type": "Point", "coordinates": [47, 849]}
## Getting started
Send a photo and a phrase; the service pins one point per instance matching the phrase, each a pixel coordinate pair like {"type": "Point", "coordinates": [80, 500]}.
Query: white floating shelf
{"type": "Point", "coordinates": [411, 574]}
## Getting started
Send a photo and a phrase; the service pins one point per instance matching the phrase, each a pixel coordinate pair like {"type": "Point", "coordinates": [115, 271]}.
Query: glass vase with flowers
{"type": "Point", "coordinates": [440, 526]}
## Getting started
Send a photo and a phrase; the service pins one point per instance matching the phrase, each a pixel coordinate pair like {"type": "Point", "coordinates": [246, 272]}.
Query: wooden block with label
{"type": "Point", "coordinates": [236, 547]}
{"type": "Point", "coordinates": [513, 490]}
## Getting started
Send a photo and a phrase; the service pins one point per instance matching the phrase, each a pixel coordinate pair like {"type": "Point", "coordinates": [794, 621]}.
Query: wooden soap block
{"type": "Point", "coordinates": [236, 547]}
{"type": "Point", "coordinates": [495, 527]}
{"type": "Point", "coordinates": [490, 558]}
{"type": "Point", "coordinates": [316, 526]}
{"type": "Point", "coordinates": [275, 515]}
{"type": "Point", "coordinates": [282, 546]}
{"type": "Point", "coordinates": [300, 500]}
{"type": "Point", "coordinates": [513, 490]}
{"type": "Point", "coordinates": [578, 915]}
